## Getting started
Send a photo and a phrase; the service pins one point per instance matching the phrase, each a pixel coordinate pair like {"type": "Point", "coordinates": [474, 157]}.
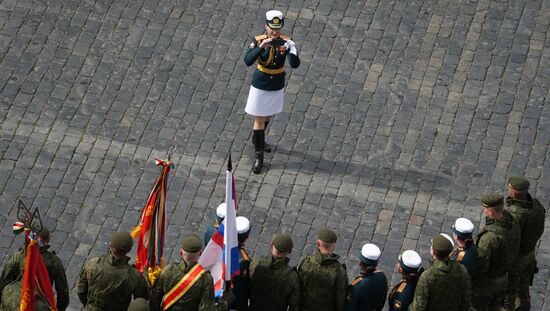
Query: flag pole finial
{"type": "Point", "coordinates": [229, 164]}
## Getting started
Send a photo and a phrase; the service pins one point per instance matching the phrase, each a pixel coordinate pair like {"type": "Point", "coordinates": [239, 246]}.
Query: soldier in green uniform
{"type": "Point", "coordinates": [139, 304]}
{"type": "Point", "coordinates": [368, 290]}
{"type": "Point", "coordinates": [274, 285]}
{"type": "Point", "coordinates": [11, 298]}
{"type": "Point", "coordinates": [445, 285]}
{"type": "Point", "coordinates": [14, 269]}
{"type": "Point", "coordinates": [265, 98]}
{"type": "Point", "coordinates": [241, 282]}
{"type": "Point", "coordinates": [497, 246]}
{"type": "Point", "coordinates": [466, 251]}
{"type": "Point", "coordinates": [530, 215]}
{"type": "Point", "coordinates": [109, 282]}
{"type": "Point", "coordinates": [323, 278]}
{"type": "Point", "coordinates": [402, 294]}
{"type": "Point", "coordinates": [199, 295]}
{"type": "Point", "coordinates": [220, 216]}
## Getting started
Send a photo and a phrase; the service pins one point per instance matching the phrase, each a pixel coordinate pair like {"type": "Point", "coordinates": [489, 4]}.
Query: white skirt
{"type": "Point", "coordinates": [262, 103]}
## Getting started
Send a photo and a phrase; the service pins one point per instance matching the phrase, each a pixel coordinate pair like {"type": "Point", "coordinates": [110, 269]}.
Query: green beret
{"type": "Point", "coordinates": [492, 200]}
{"type": "Point", "coordinates": [282, 242]}
{"type": "Point", "coordinates": [191, 243]}
{"type": "Point", "coordinates": [442, 244]}
{"type": "Point", "coordinates": [518, 183]}
{"type": "Point", "coordinates": [139, 304]}
{"type": "Point", "coordinates": [44, 234]}
{"type": "Point", "coordinates": [122, 240]}
{"type": "Point", "coordinates": [326, 235]}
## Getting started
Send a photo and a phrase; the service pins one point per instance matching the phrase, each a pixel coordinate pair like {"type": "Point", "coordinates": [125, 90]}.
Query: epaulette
{"type": "Point", "coordinates": [357, 280]}
{"type": "Point", "coordinates": [402, 286]}
{"type": "Point", "coordinates": [244, 254]}
{"type": "Point", "coordinates": [460, 255]}
{"type": "Point", "coordinates": [285, 37]}
{"type": "Point", "coordinates": [260, 37]}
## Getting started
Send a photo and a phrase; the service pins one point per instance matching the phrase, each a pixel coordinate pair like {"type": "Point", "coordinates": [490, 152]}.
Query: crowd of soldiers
{"type": "Point", "coordinates": [494, 272]}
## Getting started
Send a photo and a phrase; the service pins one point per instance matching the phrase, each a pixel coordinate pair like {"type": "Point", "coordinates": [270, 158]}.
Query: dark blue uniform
{"type": "Point", "coordinates": [209, 233]}
{"type": "Point", "coordinates": [468, 257]}
{"type": "Point", "coordinates": [367, 292]}
{"type": "Point", "coordinates": [241, 283]}
{"type": "Point", "coordinates": [401, 296]}
{"type": "Point", "coordinates": [270, 74]}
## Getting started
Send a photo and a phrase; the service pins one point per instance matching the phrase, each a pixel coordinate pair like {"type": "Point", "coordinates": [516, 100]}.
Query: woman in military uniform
{"type": "Point", "coordinates": [466, 251]}
{"type": "Point", "coordinates": [402, 294]}
{"type": "Point", "coordinates": [265, 98]}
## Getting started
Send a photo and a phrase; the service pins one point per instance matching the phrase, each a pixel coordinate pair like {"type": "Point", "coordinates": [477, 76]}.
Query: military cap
{"type": "Point", "coordinates": [220, 211]}
{"type": "Point", "coordinates": [274, 19]}
{"type": "Point", "coordinates": [191, 243]}
{"type": "Point", "coordinates": [442, 243]}
{"type": "Point", "coordinates": [122, 240]}
{"type": "Point", "coordinates": [463, 228]}
{"type": "Point", "coordinates": [410, 261]}
{"type": "Point", "coordinates": [326, 235]}
{"type": "Point", "coordinates": [139, 304]}
{"type": "Point", "coordinates": [369, 254]}
{"type": "Point", "coordinates": [283, 242]}
{"type": "Point", "coordinates": [518, 183]}
{"type": "Point", "coordinates": [243, 225]}
{"type": "Point", "coordinates": [492, 200]}
{"type": "Point", "coordinates": [44, 234]}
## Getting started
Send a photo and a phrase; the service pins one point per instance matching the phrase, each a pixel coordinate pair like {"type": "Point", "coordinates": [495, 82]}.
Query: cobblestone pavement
{"type": "Point", "coordinates": [401, 116]}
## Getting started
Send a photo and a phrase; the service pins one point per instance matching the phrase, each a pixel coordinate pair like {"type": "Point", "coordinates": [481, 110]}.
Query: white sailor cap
{"type": "Point", "coordinates": [463, 227]}
{"type": "Point", "coordinates": [220, 211]}
{"type": "Point", "coordinates": [243, 225]}
{"type": "Point", "coordinates": [370, 254]}
{"type": "Point", "coordinates": [448, 237]}
{"type": "Point", "coordinates": [410, 261]}
{"type": "Point", "coordinates": [274, 19]}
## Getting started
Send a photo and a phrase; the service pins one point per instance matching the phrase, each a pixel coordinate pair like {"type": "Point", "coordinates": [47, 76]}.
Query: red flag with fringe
{"type": "Point", "coordinates": [152, 225]}
{"type": "Point", "coordinates": [35, 277]}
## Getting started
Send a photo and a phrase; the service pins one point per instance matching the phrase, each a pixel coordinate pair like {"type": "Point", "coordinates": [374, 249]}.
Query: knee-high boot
{"type": "Point", "coordinates": [267, 147]}
{"type": "Point", "coordinates": [259, 140]}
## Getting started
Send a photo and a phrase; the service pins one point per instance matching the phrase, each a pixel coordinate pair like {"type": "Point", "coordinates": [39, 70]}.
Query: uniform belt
{"type": "Point", "coordinates": [271, 71]}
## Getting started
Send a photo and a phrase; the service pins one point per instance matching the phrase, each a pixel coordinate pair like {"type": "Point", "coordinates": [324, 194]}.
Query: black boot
{"type": "Point", "coordinates": [259, 139]}
{"type": "Point", "coordinates": [267, 147]}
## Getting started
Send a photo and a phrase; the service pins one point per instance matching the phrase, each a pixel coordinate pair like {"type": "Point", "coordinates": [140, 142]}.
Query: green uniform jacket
{"type": "Point", "coordinates": [108, 283]}
{"type": "Point", "coordinates": [13, 271]}
{"type": "Point", "coordinates": [274, 285]}
{"type": "Point", "coordinates": [444, 286]}
{"type": "Point", "coordinates": [200, 297]}
{"type": "Point", "coordinates": [530, 215]}
{"type": "Point", "coordinates": [497, 247]}
{"type": "Point", "coordinates": [271, 58]}
{"type": "Point", "coordinates": [324, 283]}
{"type": "Point", "coordinates": [11, 299]}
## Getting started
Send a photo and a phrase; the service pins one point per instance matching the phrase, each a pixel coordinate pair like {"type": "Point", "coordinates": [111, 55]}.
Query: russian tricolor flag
{"type": "Point", "coordinates": [221, 255]}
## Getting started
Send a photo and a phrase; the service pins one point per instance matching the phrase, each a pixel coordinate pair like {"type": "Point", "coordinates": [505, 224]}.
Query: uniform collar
{"type": "Point", "coordinates": [325, 259]}
{"type": "Point", "coordinates": [117, 261]}
{"type": "Point", "coordinates": [521, 203]}
{"type": "Point", "coordinates": [278, 262]}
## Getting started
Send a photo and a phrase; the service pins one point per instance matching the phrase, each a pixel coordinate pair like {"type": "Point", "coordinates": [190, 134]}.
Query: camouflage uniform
{"type": "Point", "coordinates": [323, 283]}
{"type": "Point", "coordinates": [274, 285]}
{"type": "Point", "coordinates": [444, 286]}
{"type": "Point", "coordinates": [13, 271]}
{"type": "Point", "coordinates": [200, 297]}
{"type": "Point", "coordinates": [497, 246]}
{"type": "Point", "coordinates": [11, 298]}
{"type": "Point", "coordinates": [530, 215]}
{"type": "Point", "coordinates": [108, 283]}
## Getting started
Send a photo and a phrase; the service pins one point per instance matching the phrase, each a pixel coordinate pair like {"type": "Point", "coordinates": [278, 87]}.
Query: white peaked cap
{"type": "Point", "coordinates": [220, 211]}
{"type": "Point", "coordinates": [269, 15]}
{"type": "Point", "coordinates": [243, 225]}
{"type": "Point", "coordinates": [448, 237]}
{"type": "Point", "coordinates": [370, 251]}
{"type": "Point", "coordinates": [464, 225]}
{"type": "Point", "coordinates": [411, 259]}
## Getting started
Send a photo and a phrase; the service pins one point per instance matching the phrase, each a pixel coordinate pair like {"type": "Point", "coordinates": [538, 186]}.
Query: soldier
{"type": "Point", "coordinates": [445, 285]}
{"type": "Point", "coordinates": [368, 290]}
{"type": "Point", "coordinates": [530, 215]}
{"type": "Point", "coordinates": [139, 304]}
{"type": "Point", "coordinates": [11, 298]}
{"type": "Point", "coordinates": [466, 251]}
{"type": "Point", "coordinates": [497, 247]}
{"type": "Point", "coordinates": [14, 269]}
{"type": "Point", "coordinates": [274, 285]}
{"type": "Point", "coordinates": [401, 296]}
{"type": "Point", "coordinates": [265, 98]}
{"type": "Point", "coordinates": [241, 282]}
{"type": "Point", "coordinates": [220, 216]}
{"type": "Point", "coordinates": [187, 277]}
{"type": "Point", "coordinates": [108, 282]}
{"type": "Point", "coordinates": [323, 278]}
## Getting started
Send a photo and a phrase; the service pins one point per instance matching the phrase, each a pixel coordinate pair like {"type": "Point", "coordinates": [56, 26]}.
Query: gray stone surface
{"type": "Point", "coordinates": [401, 116]}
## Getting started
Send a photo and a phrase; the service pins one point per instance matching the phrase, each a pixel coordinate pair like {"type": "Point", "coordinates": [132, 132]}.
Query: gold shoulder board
{"type": "Point", "coordinates": [460, 256]}
{"type": "Point", "coordinates": [357, 280]}
{"type": "Point", "coordinates": [260, 37]}
{"type": "Point", "coordinates": [401, 287]}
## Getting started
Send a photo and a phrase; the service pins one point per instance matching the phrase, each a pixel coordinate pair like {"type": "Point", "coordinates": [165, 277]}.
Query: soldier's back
{"type": "Point", "coordinates": [530, 215]}
{"type": "Point", "coordinates": [274, 285]}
